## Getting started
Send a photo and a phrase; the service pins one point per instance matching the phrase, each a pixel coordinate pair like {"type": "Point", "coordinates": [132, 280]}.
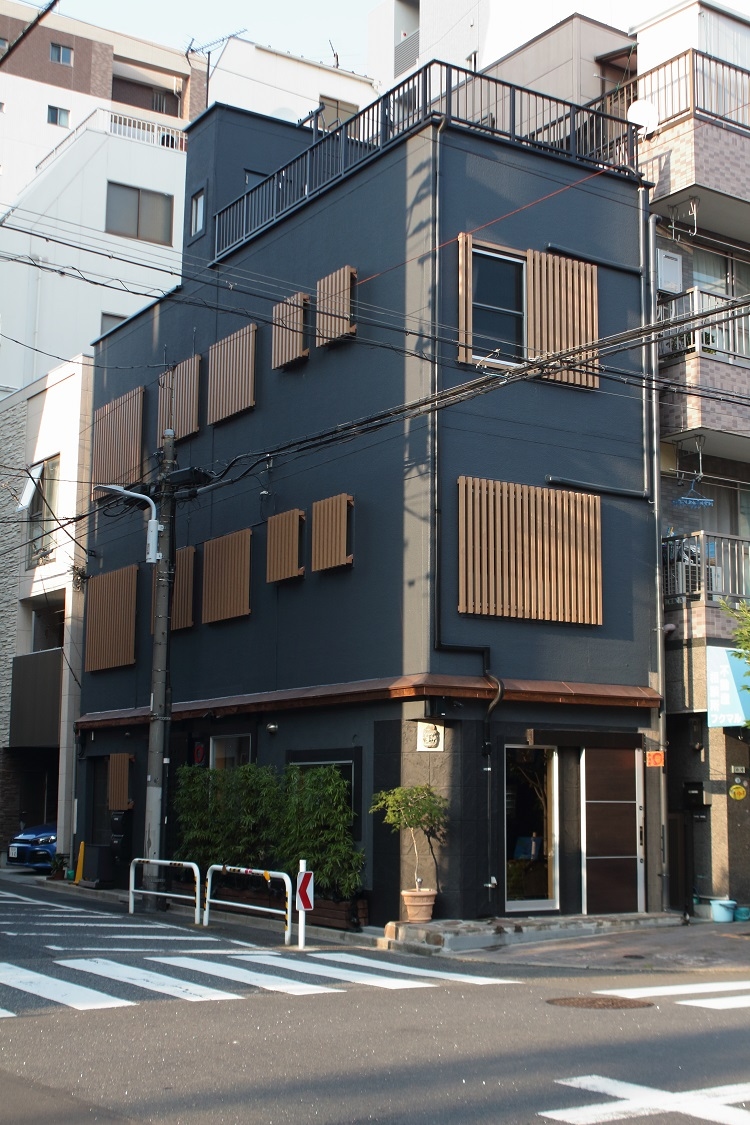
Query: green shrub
{"type": "Point", "coordinates": [316, 826]}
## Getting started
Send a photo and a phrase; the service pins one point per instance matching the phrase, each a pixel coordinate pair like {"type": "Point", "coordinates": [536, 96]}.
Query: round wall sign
{"type": "Point", "coordinates": [737, 792]}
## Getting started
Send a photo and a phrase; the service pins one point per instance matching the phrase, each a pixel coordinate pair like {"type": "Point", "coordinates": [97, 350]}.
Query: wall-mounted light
{"type": "Point", "coordinates": [272, 728]}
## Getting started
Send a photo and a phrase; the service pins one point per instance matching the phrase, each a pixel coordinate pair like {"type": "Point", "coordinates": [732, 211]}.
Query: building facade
{"type": "Point", "coordinates": [428, 551]}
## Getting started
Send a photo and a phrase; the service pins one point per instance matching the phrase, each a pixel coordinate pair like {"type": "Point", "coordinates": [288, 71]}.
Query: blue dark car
{"type": "Point", "coordinates": [34, 847]}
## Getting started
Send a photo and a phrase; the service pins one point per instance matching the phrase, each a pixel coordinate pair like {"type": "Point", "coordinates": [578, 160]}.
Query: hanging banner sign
{"type": "Point", "coordinates": [727, 700]}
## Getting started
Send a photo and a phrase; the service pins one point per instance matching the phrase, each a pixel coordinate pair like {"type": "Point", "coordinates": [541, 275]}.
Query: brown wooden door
{"type": "Point", "coordinates": [613, 826]}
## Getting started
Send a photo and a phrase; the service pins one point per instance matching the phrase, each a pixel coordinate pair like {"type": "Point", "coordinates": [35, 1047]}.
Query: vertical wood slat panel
{"type": "Point", "coordinates": [110, 619]}
{"type": "Point", "coordinates": [528, 552]}
{"type": "Point", "coordinates": [334, 307]}
{"type": "Point", "coordinates": [283, 546]}
{"type": "Point", "coordinates": [226, 576]}
{"type": "Point", "coordinates": [231, 374]}
{"type": "Point", "coordinates": [118, 787]}
{"type": "Point", "coordinates": [330, 524]}
{"type": "Point", "coordinates": [178, 399]}
{"type": "Point", "coordinates": [562, 313]}
{"type": "Point", "coordinates": [465, 297]}
{"type": "Point", "coordinates": [288, 331]}
{"type": "Point", "coordinates": [117, 440]}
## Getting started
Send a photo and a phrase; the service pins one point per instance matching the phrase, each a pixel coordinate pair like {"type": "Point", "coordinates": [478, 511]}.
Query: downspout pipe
{"type": "Point", "coordinates": [656, 503]}
{"type": "Point", "coordinates": [439, 644]}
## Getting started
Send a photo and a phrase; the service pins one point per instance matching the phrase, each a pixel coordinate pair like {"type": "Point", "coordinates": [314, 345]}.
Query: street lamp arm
{"type": "Point", "coordinates": [118, 490]}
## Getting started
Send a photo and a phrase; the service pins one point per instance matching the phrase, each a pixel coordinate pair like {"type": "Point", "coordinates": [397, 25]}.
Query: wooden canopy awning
{"type": "Point", "coordinates": [425, 686]}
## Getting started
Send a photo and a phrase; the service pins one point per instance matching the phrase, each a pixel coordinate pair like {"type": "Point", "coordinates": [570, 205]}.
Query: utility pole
{"type": "Point", "coordinates": [161, 702]}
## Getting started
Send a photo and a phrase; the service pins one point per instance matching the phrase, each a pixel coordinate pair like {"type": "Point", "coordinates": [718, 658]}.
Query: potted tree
{"type": "Point", "coordinates": [416, 808]}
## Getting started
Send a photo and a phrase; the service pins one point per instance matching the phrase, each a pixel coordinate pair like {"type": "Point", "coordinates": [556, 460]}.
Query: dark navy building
{"type": "Point", "coordinates": [402, 348]}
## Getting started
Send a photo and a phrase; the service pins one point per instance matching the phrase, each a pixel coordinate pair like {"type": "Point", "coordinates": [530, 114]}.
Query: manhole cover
{"type": "Point", "coordinates": [609, 1002]}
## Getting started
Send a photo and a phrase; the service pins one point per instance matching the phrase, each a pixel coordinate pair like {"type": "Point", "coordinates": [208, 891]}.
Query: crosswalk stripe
{"type": "Point", "coordinates": [351, 976]}
{"type": "Point", "coordinates": [412, 971]}
{"type": "Point", "coordinates": [719, 1003]}
{"type": "Point", "coordinates": [59, 991]}
{"type": "Point", "coordinates": [144, 978]}
{"type": "Point", "coordinates": [267, 981]}
{"type": "Point", "coordinates": [677, 989]}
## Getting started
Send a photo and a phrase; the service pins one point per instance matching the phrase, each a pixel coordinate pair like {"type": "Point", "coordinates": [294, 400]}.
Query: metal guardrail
{"type": "Point", "coordinates": [286, 913]}
{"type": "Point", "coordinates": [165, 894]}
{"type": "Point", "coordinates": [705, 567]}
{"type": "Point", "coordinates": [474, 101]}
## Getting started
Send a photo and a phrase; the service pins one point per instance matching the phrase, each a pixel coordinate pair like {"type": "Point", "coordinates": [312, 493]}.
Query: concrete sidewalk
{"type": "Point", "coordinates": [613, 942]}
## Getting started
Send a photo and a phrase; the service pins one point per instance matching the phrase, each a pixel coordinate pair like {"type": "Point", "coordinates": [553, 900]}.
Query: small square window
{"type": "Point", "coordinates": [58, 116]}
{"type": "Point", "coordinates": [198, 212]}
{"type": "Point", "coordinates": [60, 54]}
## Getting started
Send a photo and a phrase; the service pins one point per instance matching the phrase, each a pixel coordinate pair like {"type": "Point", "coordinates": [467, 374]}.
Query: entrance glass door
{"type": "Point", "coordinates": [531, 828]}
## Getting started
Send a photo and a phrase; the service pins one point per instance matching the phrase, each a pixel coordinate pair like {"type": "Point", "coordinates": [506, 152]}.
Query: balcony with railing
{"type": "Point", "coordinates": [470, 101]}
{"type": "Point", "coordinates": [141, 129]}
{"type": "Point", "coordinates": [705, 567]}
{"type": "Point", "coordinates": [724, 333]}
{"type": "Point", "coordinates": [691, 84]}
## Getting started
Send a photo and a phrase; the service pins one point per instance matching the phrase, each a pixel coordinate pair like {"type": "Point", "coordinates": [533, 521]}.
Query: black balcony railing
{"type": "Point", "coordinates": [473, 101]}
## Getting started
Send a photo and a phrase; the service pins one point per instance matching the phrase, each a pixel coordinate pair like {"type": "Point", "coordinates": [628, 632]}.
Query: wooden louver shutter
{"type": "Point", "coordinates": [529, 552]}
{"type": "Point", "coordinates": [110, 619]}
{"type": "Point", "coordinates": [118, 778]}
{"type": "Point", "coordinates": [288, 335]}
{"type": "Point", "coordinates": [231, 374]}
{"type": "Point", "coordinates": [562, 313]}
{"type": "Point", "coordinates": [334, 307]}
{"type": "Point", "coordinates": [282, 549]}
{"type": "Point", "coordinates": [330, 525]}
{"type": "Point", "coordinates": [226, 576]}
{"type": "Point", "coordinates": [117, 440]}
{"type": "Point", "coordinates": [178, 399]}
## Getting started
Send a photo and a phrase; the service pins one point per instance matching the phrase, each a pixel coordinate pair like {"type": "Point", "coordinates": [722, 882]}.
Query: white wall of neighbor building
{"type": "Point", "coordinates": [692, 24]}
{"type": "Point", "coordinates": [55, 416]}
{"type": "Point", "coordinates": [54, 316]}
{"type": "Point", "coordinates": [25, 136]}
{"type": "Point", "coordinates": [279, 84]}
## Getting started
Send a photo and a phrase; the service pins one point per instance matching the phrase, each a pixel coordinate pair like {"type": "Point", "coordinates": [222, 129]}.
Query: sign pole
{"type": "Point", "coordinates": [301, 913]}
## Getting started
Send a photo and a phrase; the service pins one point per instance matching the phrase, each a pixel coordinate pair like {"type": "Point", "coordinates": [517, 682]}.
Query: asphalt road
{"type": "Point", "coordinates": [111, 1018]}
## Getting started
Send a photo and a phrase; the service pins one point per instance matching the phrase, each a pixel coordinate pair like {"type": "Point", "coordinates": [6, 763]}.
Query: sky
{"type": "Point", "coordinates": [299, 26]}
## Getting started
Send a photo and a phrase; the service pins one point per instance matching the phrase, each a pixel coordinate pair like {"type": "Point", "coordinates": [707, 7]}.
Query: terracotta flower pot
{"type": "Point", "coordinates": [419, 904]}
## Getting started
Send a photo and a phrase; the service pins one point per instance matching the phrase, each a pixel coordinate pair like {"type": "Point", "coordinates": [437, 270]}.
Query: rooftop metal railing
{"type": "Point", "coordinates": [141, 129]}
{"type": "Point", "coordinates": [474, 101]}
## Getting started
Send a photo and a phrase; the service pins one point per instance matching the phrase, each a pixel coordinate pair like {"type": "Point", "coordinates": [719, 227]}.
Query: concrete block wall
{"type": "Point", "coordinates": [696, 152]}
{"type": "Point", "coordinates": [680, 412]}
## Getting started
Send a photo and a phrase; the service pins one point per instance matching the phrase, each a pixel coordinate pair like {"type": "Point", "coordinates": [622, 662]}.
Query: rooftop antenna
{"type": "Point", "coordinates": [335, 54]}
{"type": "Point", "coordinates": [206, 50]}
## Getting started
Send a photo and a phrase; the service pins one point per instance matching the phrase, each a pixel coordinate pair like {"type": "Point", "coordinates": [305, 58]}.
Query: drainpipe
{"type": "Point", "coordinates": [438, 644]}
{"type": "Point", "coordinates": [656, 500]}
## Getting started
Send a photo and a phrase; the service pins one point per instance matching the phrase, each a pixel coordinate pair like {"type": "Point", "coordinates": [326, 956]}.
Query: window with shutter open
{"type": "Point", "coordinates": [288, 333]}
{"type": "Point", "coordinates": [331, 533]}
{"type": "Point", "coordinates": [335, 306]}
{"type": "Point", "coordinates": [516, 306]}
{"type": "Point", "coordinates": [283, 546]}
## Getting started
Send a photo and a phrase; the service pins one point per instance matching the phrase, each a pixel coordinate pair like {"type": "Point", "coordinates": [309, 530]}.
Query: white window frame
{"type": "Point", "coordinates": [517, 260]}
{"type": "Point", "coordinates": [198, 212]}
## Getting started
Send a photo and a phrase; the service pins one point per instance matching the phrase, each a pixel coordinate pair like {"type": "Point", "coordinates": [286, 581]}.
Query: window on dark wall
{"type": "Point", "coordinates": [228, 751]}
{"type": "Point", "coordinates": [138, 213]}
{"type": "Point", "coordinates": [498, 307]}
{"type": "Point", "coordinates": [198, 212]}
{"type": "Point", "coordinates": [349, 764]}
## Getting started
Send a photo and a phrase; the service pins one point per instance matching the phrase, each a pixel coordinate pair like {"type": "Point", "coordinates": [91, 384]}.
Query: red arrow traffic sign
{"type": "Point", "coordinates": [305, 890]}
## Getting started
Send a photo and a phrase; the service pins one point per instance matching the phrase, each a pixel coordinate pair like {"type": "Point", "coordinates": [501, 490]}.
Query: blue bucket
{"type": "Point", "coordinates": [722, 909]}
{"type": "Point", "coordinates": [742, 914]}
